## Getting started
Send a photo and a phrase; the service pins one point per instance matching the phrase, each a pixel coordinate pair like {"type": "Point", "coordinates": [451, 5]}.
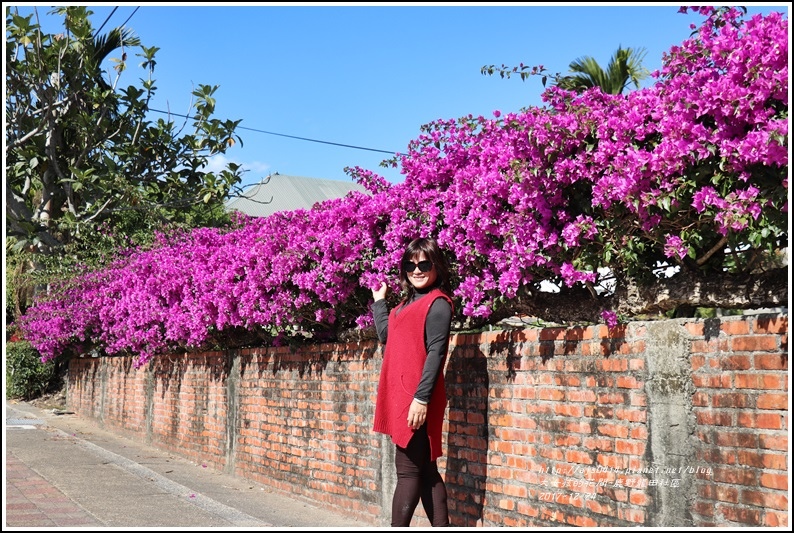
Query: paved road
{"type": "Point", "coordinates": [62, 472]}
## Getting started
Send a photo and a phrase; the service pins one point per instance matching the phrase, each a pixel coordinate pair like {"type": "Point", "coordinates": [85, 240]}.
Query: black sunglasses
{"type": "Point", "coordinates": [424, 266]}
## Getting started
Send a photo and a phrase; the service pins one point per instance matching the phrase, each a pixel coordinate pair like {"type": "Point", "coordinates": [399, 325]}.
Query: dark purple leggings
{"type": "Point", "coordinates": [418, 478]}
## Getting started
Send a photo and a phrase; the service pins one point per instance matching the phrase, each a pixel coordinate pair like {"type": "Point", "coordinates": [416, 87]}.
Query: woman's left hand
{"type": "Point", "coordinates": [417, 414]}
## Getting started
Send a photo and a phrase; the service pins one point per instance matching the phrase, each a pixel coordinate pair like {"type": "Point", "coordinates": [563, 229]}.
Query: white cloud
{"type": "Point", "coordinates": [255, 171]}
{"type": "Point", "coordinates": [217, 163]}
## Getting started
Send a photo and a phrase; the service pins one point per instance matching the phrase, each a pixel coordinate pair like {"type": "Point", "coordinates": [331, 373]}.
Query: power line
{"type": "Point", "coordinates": [290, 136]}
{"type": "Point", "coordinates": [128, 18]}
{"type": "Point", "coordinates": [111, 14]}
{"type": "Point", "coordinates": [106, 21]}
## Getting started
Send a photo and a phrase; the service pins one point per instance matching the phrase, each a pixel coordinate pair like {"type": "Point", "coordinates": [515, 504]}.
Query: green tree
{"type": "Point", "coordinates": [624, 68]}
{"type": "Point", "coordinates": [86, 168]}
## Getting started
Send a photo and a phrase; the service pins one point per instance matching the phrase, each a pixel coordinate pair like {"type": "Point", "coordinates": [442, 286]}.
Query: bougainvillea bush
{"type": "Point", "coordinates": [687, 177]}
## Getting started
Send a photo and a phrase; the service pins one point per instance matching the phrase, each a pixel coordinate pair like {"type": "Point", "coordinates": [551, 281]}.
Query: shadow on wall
{"type": "Point", "coordinates": [468, 435]}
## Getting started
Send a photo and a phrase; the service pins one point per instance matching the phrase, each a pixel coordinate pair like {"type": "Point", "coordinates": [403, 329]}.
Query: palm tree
{"type": "Point", "coordinates": [625, 66]}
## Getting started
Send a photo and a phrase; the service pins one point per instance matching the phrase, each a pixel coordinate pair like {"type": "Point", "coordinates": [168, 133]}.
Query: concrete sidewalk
{"type": "Point", "coordinates": [64, 472]}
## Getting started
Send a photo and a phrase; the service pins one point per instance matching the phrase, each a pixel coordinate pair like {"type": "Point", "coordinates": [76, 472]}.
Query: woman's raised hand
{"type": "Point", "coordinates": [380, 292]}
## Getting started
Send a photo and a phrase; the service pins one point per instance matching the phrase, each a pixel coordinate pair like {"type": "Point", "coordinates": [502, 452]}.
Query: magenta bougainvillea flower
{"type": "Point", "coordinates": [550, 193]}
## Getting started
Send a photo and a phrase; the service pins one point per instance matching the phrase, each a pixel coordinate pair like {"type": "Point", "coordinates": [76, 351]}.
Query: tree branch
{"type": "Point", "coordinates": [714, 249]}
{"type": "Point", "coordinates": [747, 291]}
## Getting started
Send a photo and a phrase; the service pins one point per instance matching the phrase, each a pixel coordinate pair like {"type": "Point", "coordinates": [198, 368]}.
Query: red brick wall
{"type": "Point", "coordinates": [741, 408]}
{"type": "Point", "coordinates": [189, 407]}
{"type": "Point", "coordinates": [305, 424]}
{"type": "Point", "coordinates": [683, 422]}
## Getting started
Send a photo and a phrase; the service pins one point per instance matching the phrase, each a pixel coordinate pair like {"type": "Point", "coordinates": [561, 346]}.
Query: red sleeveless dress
{"type": "Point", "coordinates": [401, 371]}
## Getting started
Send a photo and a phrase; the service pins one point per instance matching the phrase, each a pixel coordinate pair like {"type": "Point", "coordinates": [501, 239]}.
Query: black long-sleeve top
{"type": "Point", "coordinates": [436, 339]}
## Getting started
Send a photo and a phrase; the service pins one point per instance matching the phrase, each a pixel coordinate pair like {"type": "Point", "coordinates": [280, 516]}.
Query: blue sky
{"type": "Point", "coordinates": [368, 76]}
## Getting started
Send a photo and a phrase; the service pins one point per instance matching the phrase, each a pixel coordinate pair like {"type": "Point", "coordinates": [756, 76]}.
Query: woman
{"type": "Point", "coordinates": [412, 398]}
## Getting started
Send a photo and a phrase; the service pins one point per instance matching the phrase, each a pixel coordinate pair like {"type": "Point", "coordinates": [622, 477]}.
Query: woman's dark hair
{"type": "Point", "coordinates": [429, 246]}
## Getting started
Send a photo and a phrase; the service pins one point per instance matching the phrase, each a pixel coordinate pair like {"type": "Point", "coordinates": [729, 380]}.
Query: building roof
{"type": "Point", "coordinates": [287, 193]}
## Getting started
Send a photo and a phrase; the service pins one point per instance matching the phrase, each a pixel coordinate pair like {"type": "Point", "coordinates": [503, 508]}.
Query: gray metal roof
{"type": "Point", "coordinates": [287, 193]}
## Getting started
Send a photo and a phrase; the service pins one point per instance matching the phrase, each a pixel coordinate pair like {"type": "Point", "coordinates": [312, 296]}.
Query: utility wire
{"type": "Point", "coordinates": [290, 136]}
{"type": "Point", "coordinates": [128, 18]}
{"type": "Point", "coordinates": [111, 14]}
{"type": "Point", "coordinates": [106, 21]}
